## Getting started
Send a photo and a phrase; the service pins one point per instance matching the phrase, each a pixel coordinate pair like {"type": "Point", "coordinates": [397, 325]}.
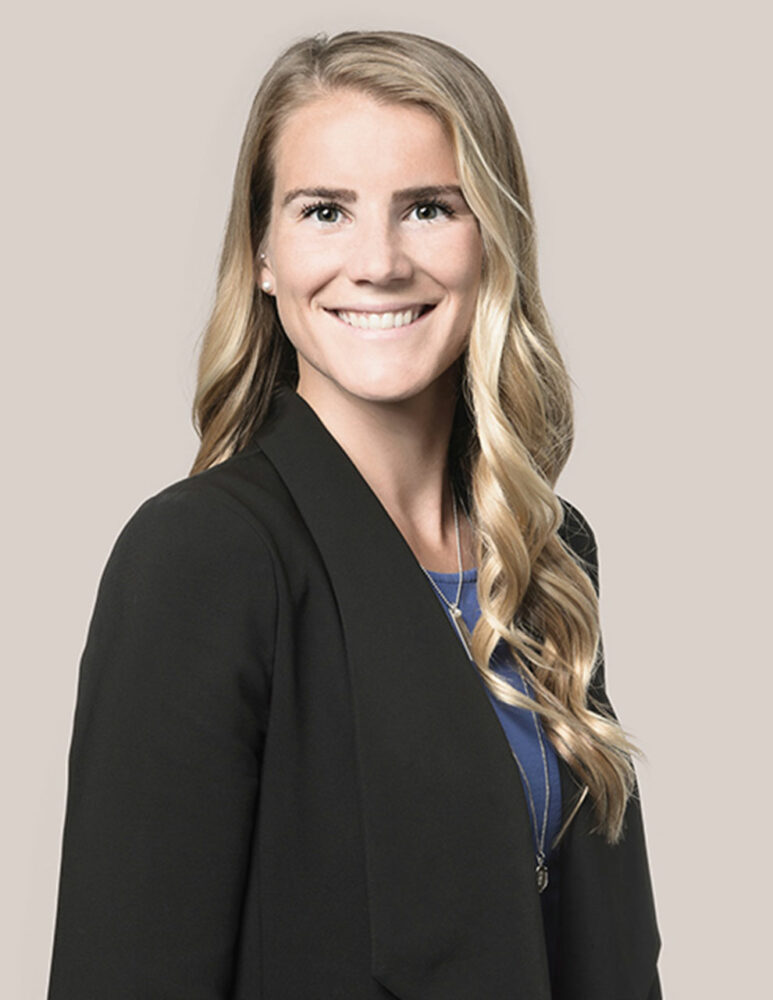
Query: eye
{"type": "Point", "coordinates": [434, 206]}
{"type": "Point", "coordinates": [329, 213]}
{"type": "Point", "coordinates": [323, 210]}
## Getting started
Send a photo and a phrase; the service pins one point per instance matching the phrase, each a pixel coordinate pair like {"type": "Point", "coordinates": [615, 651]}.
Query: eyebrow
{"type": "Point", "coordinates": [426, 192]}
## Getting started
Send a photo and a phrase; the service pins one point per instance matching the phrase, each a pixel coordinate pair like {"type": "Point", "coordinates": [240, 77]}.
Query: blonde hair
{"type": "Point", "coordinates": [513, 428]}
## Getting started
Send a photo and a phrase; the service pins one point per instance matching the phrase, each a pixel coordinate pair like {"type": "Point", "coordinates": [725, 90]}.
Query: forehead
{"type": "Point", "coordinates": [350, 139]}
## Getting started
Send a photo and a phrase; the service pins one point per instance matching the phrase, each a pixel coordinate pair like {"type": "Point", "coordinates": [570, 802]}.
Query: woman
{"type": "Point", "coordinates": [342, 727]}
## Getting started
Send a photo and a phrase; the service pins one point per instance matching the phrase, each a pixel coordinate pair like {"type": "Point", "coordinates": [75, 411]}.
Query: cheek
{"type": "Point", "coordinates": [459, 261]}
{"type": "Point", "coordinates": [302, 265]}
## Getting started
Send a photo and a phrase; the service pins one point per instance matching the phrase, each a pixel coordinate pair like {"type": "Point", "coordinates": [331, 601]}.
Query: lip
{"type": "Point", "coordinates": [389, 307]}
{"type": "Point", "coordinates": [391, 333]}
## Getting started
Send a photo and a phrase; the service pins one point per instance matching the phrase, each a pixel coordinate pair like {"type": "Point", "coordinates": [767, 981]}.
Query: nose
{"type": "Point", "coordinates": [377, 253]}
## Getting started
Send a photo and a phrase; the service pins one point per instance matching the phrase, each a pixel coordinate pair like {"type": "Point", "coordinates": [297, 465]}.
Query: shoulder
{"type": "Point", "coordinates": [576, 531]}
{"type": "Point", "coordinates": [190, 587]}
{"type": "Point", "coordinates": [211, 533]}
{"type": "Point", "coordinates": [234, 505]}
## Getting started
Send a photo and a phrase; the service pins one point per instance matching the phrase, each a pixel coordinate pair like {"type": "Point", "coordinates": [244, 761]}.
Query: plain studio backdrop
{"type": "Point", "coordinates": [645, 133]}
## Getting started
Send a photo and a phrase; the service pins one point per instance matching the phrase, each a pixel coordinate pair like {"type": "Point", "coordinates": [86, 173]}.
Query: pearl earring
{"type": "Point", "coordinates": [267, 286]}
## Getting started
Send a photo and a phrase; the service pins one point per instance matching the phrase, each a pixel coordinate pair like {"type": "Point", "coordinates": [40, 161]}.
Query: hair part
{"type": "Point", "coordinates": [513, 429]}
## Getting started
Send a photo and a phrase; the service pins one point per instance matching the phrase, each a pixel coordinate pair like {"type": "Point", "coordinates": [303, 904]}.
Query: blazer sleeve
{"type": "Point", "coordinates": [581, 538]}
{"type": "Point", "coordinates": [582, 541]}
{"type": "Point", "coordinates": [164, 761]}
{"type": "Point", "coordinates": [656, 991]}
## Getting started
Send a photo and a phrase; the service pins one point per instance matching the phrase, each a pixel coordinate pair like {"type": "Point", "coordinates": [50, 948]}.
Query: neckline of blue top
{"type": "Point", "coordinates": [467, 575]}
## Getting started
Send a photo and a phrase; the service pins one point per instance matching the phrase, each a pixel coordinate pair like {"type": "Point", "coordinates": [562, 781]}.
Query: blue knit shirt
{"type": "Point", "coordinates": [519, 726]}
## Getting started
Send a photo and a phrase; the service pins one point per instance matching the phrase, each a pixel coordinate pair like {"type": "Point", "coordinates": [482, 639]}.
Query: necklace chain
{"type": "Point", "coordinates": [464, 635]}
{"type": "Point", "coordinates": [456, 612]}
{"type": "Point", "coordinates": [542, 868]}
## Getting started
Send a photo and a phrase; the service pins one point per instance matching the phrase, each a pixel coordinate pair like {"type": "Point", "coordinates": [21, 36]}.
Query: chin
{"type": "Point", "coordinates": [397, 391]}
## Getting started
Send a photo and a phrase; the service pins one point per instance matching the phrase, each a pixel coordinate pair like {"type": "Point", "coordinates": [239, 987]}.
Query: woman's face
{"type": "Point", "coordinates": [375, 271]}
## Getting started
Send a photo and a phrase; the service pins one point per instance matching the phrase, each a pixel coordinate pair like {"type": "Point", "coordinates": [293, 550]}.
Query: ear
{"type": "Point", "coordinates": [264, 273]}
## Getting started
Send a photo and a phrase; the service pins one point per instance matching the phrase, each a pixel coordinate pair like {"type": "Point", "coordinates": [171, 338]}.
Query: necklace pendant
{"type": "Point", "coordinates": [461, 628]}
{"type": "Point", "coordinates": [542, 875]}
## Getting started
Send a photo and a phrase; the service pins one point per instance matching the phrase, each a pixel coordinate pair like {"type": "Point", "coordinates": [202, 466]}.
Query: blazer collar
{"type": "Point", "coordinates": [454, 910]}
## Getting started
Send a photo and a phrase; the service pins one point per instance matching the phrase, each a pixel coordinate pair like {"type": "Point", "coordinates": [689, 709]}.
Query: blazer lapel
{"type": "Point", "coordinates": [454, 911]}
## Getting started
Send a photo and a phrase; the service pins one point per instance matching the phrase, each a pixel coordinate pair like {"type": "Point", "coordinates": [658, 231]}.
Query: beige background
{"type": "Point", "coordinates": [644, 129]}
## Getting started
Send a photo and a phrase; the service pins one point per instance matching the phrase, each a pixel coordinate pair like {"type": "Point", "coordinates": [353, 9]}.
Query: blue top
{"type": "Point", "coordinates": [519, 726]}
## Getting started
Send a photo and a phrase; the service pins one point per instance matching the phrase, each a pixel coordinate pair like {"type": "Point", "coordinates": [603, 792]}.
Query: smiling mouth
{"type": "Point", "coordinates": [381, 321]}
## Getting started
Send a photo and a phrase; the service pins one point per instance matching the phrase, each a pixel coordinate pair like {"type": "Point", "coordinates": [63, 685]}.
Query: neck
{"type": "Point", "coordinates": [400, 448]}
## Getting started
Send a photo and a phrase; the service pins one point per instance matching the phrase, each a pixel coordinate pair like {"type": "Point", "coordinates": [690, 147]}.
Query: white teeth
{"type": "Point", "coordinates": [379, 321]}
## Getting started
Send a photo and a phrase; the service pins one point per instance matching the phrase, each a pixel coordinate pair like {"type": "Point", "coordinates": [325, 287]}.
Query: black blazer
{"type": "Point", "coordinates": [286, 780]}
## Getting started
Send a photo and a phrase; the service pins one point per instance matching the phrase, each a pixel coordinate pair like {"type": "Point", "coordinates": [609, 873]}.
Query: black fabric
{"type": "Point", "coordinates": [286, 780]}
